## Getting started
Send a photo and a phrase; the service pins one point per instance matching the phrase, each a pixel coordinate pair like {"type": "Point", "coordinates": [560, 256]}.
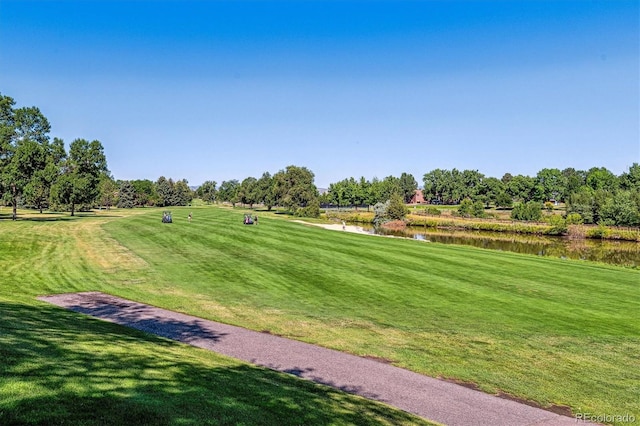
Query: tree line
{"type": "Point", "coordinates": [597, 195]}
{"type": "Point", "coordinates": [292, 188]}
{"type": "Point", "coordinates": [38, 172]}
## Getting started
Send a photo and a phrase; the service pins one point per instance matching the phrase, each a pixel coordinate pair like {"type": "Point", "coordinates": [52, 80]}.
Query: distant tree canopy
{"type": "Point", "coordinates": [291, 188]}
{"type": "Point", "coordinates": [39, 173]}
{"type": "Point", "coordinates": [596, 195]}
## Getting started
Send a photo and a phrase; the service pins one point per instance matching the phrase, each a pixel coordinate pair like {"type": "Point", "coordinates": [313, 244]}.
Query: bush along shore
{"type": "Point", "coordinates": [556, 225]}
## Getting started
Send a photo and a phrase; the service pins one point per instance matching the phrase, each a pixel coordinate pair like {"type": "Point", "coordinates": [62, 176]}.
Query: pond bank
{"type": "Point", "coordinates": [614, 252]}
{"type": "Point", "coordinates": [516, 227]}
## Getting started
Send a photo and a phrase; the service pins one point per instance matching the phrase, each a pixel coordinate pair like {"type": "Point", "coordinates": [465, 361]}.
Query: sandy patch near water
{"type": "Point", "coordinates": [337, 227]}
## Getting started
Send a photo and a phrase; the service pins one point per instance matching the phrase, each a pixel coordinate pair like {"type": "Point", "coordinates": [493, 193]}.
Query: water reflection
{"type": "Point", "coordinates": [625, 253]}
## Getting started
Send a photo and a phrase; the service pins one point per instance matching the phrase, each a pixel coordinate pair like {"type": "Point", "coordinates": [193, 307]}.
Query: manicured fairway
{"type": "Point", "coordinates": [547, 330]}
{"type": "Point", "coordinates": [57, 367]}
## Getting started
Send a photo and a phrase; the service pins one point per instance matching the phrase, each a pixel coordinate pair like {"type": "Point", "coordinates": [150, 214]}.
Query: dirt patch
{"type": "Point", "coordinates": [395, 225]}
{"type": "Point", "coordinates": [379, 359]}
{"type": "Point", "coordinates": [562, 410]}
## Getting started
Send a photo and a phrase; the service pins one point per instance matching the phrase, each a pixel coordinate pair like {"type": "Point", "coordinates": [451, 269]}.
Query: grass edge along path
{"type": "Point", "coordinates": [434, 399]}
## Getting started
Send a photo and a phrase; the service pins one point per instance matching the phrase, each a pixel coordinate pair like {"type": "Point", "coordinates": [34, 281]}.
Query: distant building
{"type": "Point", "coordinates": [418, 197]}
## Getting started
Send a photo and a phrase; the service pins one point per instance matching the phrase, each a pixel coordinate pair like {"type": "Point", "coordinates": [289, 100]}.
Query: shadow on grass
{"type": "Point", "coordinates": [62, 368]}
{"type": "Point", "coordinates": [53, 216]}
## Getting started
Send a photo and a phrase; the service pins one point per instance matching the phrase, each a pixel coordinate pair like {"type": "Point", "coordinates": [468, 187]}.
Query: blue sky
{"type": "Point", "coordinates": [217, 90]}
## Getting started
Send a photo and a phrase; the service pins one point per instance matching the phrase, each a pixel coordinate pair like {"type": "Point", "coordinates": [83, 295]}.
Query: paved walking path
{"type": "Point", "coordinates": [424, 396]}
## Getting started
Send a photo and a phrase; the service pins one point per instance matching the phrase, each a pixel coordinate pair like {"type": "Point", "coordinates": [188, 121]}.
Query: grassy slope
{"type": "Point", "coordinates": [63, 368]}
{"type": "Point", "coordinates": [548, 330]}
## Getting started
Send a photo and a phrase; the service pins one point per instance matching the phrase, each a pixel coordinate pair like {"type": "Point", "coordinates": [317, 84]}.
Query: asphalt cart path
{"type": "Point", "coordinates": [433, 399]}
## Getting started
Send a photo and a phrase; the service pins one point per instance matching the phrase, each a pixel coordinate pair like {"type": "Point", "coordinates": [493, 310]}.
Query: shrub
{"type": "Point", "coordinates": [600, 232]}
{"type": "Point", "coordinates": [380, 213]}
{"type": "Point", "coordinates": [477, 210]}
{"type": "Point", "coordinates": [433, 211]}
{"type": "Point", "coordinates": [396, 210]}
{"type": "Point", "coordinates": [465, 209]}
{"type": "Point", "coordinates": [529, 211]}
{"type": "Point", "coordinates": [574, 219]}
{"type": "Point", "coordinates": [311, 210]}
{"type": "Point", "coordinates": [558, 225]}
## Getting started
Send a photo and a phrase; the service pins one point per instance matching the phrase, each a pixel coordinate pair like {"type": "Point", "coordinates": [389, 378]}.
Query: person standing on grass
{"type": "Point", "coordinates": [344, 226]}
{"type": "Point", "coordinates": [190, 216]}
{"type": "Point", "coordinates": [255, 219]}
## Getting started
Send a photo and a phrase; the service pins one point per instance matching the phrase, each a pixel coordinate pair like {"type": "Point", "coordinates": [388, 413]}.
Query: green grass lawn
{"type": "Point", "coordinates": [58, 367]}
{"type": "Point", "coordinates": [547, 330]}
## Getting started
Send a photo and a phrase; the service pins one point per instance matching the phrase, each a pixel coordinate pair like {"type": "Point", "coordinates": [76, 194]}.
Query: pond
{"type": "Point", "coordinates": [624, 253]}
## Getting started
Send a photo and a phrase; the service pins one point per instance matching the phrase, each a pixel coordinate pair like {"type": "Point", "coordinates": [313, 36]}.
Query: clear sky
{"type": "Point", "coordinates": [219, 90]}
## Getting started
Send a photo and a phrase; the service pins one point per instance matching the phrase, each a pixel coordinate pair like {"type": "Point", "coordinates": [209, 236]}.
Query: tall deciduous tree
{"type": "Point", "coordinates": [408, 185]}
{"type": "Point", "coordinates": [550, 185]}
{"type": "Point", "coordinates": [24, 137]}
{"type": "Point", "coordinates": [294, 188]}
{"type": "Point", "coordinates": [436, 184]}
{"type": "Point", "coordinates": [81, 174]}
{"type": "Point", "coordinates": [108, 192]}
{"type": "Point", "coordinates": [248, 192]}
{"type": "Point", "coordinates": [630, 180]}
{"type": "Point", "coordinates": [207, 191]}
{"type": "Point", "coordinates": [146, 194]}
{"type": "Point", "coordinates": [229, 191]}
{"type": "Point", "coordinates": [390, 186]}
{"type": "Point", "coordinates": [521, 188]}
{"type": "Point", "coordinates": [38, 190]}
{"type": "Point", "coordinates": [265, 191]}
{"type": "Point", "coordinates": [601, 178]}
{"type": "Point", "coordinates": [574, 180]}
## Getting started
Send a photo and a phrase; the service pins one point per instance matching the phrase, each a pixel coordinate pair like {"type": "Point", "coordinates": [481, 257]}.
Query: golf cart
{"type": "Point", "coordinates": [248, 220]}
{"type": "Point", "coordinates": [166, 217]}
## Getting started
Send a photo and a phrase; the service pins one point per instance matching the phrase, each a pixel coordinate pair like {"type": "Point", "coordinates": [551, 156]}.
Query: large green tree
{"type": "Point", "coordinates": [550, 184]}
{"type": "Point", "coordinates": [574, 180]}
{"type": "Point", "coordinates": [265, 190]}
{"type": "Point", "coordinates": [294, 188]}
{"type": "Point", "coordinates": [408, 186]}
{"type": "Point", "coordinates": [630, 180]}
{"type": "Point", "coordinates": [108, 192]}
{"type": "Point", "coordinates": [81, 173]}
{"type": "Point", "coordinates": [521, 188]}
{"type": "Point", "coordinates": [228, 191]}
{"type": "Point", "coordinates": [165, 189]}
{"type": "Point", "coordinates": [207, 191]}
{"type": "Point", "coordinates": [146, 194]}
{"type": "Point", "coordinates": [24, 150]}
{"type": "Point", "coordinates": [183, 195]}
{"type": "Point", "coordinates": [127, 195]}
{"type": "Point", "coordinates": [601, 178]}
{"type": "Point", "coordinates": [38, 191]}
{"type": "Point", "coordinates": [248, 192]}
{"type": "Point", "coordinates": [491, 190]}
